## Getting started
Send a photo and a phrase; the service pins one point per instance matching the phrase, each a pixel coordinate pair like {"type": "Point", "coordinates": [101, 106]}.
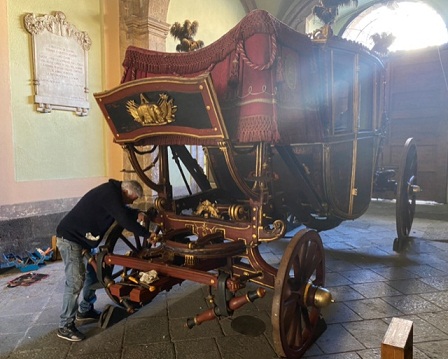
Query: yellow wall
{"type": "Point", "coordinates": [112, 72]}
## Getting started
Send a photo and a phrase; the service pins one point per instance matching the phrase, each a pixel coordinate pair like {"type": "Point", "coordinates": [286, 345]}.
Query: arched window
{"type": "Point", "coordinates": [413, 24]}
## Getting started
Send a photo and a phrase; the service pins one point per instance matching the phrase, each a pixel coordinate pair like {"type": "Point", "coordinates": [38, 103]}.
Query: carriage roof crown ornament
{"type": "Point", "coordinates": [326, 11]}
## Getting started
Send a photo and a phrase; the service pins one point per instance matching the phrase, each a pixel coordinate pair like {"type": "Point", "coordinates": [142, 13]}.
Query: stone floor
{"type": "Point", "coordinates": [371, 284]}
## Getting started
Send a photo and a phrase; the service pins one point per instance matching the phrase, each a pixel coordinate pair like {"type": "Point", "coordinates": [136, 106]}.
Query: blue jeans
{"type": "Point", "coordinates": [79, 276]}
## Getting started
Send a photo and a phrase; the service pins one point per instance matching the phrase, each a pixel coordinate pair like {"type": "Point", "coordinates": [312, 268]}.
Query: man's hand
{"type": "Point", "coordinates": [153, 238]}
{"type": "Point", "coordinates": [142, 219]}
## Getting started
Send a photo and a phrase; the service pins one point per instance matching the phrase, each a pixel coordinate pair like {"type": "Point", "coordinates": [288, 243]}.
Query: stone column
{"type": "Point", "coordinates": [143, 24]}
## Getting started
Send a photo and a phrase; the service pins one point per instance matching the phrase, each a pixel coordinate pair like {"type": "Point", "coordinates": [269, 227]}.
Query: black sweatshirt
{"type": "Point", "coordinates": [95, 212]}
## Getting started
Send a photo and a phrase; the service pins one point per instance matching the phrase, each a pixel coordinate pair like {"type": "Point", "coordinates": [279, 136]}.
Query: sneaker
{"type": "Point", "coordinates": [69, 332]}
{"type": "Point", "coordinates": [90, 316]}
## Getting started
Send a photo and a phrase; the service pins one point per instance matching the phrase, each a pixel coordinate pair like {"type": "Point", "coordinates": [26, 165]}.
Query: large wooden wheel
{"type": "Point", "coordinates": [119, 241]}
{"type": "Point", "coordinates": [299, 295]}
{"type": "Point", "coordinates": [406, 193]}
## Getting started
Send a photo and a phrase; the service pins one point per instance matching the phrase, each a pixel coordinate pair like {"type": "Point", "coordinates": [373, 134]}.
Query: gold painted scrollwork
{"type": "Point", "coordinates": [237, 212]}
{"type": "Point", "coordinates": [159, 204]}
{"type": "Point", "coordinates": [277, 231]}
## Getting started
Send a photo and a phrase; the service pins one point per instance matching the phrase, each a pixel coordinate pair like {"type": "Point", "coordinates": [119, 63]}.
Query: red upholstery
{"type": "Point", "coordinates": [263, 74]}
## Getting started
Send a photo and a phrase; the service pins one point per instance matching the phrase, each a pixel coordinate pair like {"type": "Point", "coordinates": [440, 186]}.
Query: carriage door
{"type": "Point", "coordinates": [352, 144]}
{"type": "Point", "coordinates": [367, 118]}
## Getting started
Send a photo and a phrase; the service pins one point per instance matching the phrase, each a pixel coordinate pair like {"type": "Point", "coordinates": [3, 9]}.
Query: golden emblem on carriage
{"type": "Point", "coordinates": [149, 114]}
{"type": "Point", "coordinates": [207, 209]}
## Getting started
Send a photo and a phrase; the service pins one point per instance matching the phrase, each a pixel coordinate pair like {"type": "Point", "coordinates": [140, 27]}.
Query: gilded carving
{"type": "Point", "coordinates": [238, 213]}
{"type": "Point", "coordinates": [148, 114]}
{"type": "Point", "coordinates": [207, 208]}
{"type": "Point", "coordinates": [322, 34]}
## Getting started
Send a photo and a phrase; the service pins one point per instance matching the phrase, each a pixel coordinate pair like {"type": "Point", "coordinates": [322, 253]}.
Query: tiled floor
{"type": "Point", "coordinates": [369, 281]}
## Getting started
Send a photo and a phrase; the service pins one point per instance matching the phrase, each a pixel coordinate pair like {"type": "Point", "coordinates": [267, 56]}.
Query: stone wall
{"type": "Point", "coordinates": [25, 227]}
{"type": "Point", "coordinates": [18, 236]}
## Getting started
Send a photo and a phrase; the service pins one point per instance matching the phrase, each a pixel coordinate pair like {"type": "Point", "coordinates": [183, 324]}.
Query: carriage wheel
{"type": "Point", "coordinates": [118, 241]}
{"type": "Point", "coordinates": [296, 318]}
{"type": "Point", "coordinates": [406, 193]}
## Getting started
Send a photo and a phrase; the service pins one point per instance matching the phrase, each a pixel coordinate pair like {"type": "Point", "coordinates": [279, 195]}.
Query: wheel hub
{"type": "Point", "coordinates": [317, 296]}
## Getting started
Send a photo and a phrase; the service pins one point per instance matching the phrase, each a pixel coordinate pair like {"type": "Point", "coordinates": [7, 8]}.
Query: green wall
{"type": "Point", "coordinates": [60, 144]}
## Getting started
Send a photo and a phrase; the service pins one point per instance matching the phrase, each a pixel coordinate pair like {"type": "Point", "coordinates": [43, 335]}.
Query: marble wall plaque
{"type": "Point", "coordinates": [60, 63]}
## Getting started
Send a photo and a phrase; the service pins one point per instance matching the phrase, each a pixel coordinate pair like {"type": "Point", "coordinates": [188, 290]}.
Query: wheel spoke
{"type": "Point", "coordinates": [291, 295]}
{"type": "Point", "coordinates": [306, 318]}
{"type": "Point", "coordinates": [307, 264]}
{"type": "Point", "coordinates": [138, 242]}
{"type": "Point", "coordinates": [300, 259]}
{"type": "Point", "coordinates": [128, 243]}
{"type": "Point", "coordinates": [294, 333]}
{"type": "Point", "coordinates": [312, 263]}
{"type": "Point", "coordinates": [117, 274]}
{"type": "Point", "coordinates": [296, 269]}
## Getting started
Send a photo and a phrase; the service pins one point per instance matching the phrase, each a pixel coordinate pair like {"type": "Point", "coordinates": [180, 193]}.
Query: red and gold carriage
{"type": "Point", "coordinates": [291, 128]}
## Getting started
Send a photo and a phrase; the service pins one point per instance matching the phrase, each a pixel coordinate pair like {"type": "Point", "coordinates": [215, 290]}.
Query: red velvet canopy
{"type": "Point", "coordinates": [263, 75]}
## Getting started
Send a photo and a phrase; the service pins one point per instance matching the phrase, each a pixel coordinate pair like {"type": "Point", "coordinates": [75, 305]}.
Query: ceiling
{"type": "Point", "coordinates": [295, 12]}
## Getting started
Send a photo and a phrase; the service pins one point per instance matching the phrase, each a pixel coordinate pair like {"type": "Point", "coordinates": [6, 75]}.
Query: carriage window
{"type": "Point", "coordinates": [341, 106]}
{"type": "Point", "coordinates": [343, 93]}
{"type": "Point", "coordinates": [366, 96]}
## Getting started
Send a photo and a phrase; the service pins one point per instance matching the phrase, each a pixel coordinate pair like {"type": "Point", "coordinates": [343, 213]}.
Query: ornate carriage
{"type": "Point", "coordinates": [291, 130]}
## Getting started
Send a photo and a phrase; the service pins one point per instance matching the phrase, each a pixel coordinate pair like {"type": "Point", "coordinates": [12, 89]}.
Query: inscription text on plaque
{"type": "Point", "coordinates": [60, 63]}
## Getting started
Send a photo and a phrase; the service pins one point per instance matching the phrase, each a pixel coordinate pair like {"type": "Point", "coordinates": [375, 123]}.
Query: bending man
{"type": "Point", "coordinates": [83, 228]}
